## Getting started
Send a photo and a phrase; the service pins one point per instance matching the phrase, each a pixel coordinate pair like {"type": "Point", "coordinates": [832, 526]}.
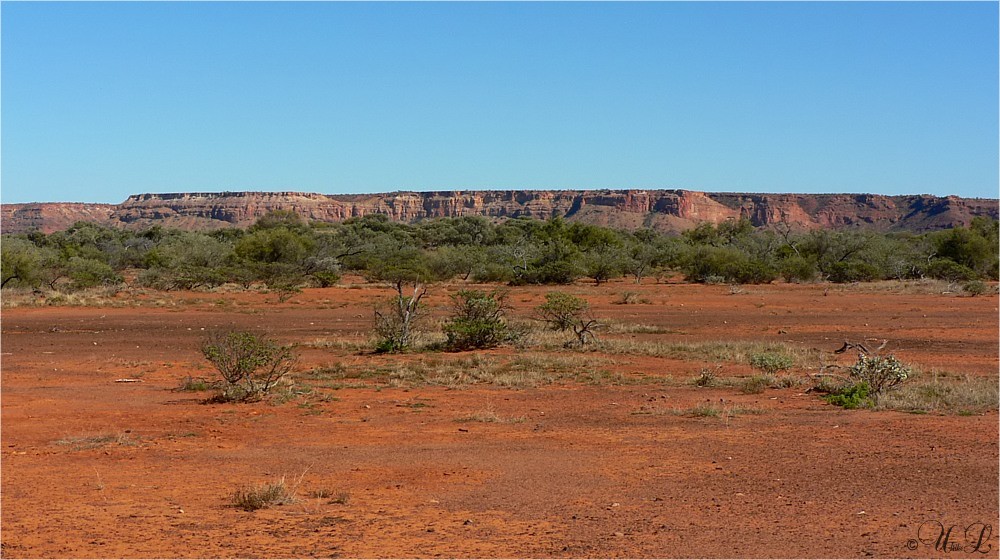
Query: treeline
{"type": "Point", "coordinates": [283, 252]}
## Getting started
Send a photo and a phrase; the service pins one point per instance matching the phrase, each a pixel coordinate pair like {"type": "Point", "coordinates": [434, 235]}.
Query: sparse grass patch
{"type": "Point", "coordinates": [80, 443]}
{"type": "Point", "coordinates": [323, 373]}
{"type": "Point", "coordinates": [771, 362]}
{"type": "Point", "coordinates": [330, 495]}
{"type": "Point", "coordinates": [630, 298]}
{"type": "Point", "coordinates": [717, 410]}
{"type": "Point", "coordinates": [703, 411]}
{"type": "Point", "coordinates": [524, 370]}
{"type": "Point", "coordinates": [252, 498]}
{"type": "Point", "coordinates": [919, 286]}
{"type": "Point", "coordinates": [489, 415]}
{"type": "Point", "coordinates": [715, 351]}
{"type": "Point", "coordinates": [340, 498]}
{"type": "Point", "coordinates": [98, 296]}
{"type": "Point", "coordinates": [756, 384]}
{"type": "Point", "coordinates": [636, 328]}
{"type": "Point", "coordinates": [192, 384]}
{"type": "Point", "coordinates": [357, 344]}
{"type": "Point", "coordinates": [966, 395]}
{"type": "Point", "coordinates": [827, 384]}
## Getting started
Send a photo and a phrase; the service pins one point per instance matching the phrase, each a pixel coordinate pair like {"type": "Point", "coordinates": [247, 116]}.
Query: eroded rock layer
{"type": "Point", "coordinates": [665, 210]}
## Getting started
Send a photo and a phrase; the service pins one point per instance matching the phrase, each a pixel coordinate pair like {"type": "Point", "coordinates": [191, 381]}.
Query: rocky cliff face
{"type": "Point", "coordinates": [51, 216]}
{"type": "Point", "coordinates": [665, 210]}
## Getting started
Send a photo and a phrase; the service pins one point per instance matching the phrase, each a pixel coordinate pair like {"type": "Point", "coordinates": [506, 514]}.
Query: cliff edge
{"type": "Point", "coordinates": [664, 210]}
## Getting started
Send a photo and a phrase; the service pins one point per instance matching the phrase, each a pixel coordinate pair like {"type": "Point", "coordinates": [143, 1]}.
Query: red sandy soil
{"type": "Point", "coordinates": [585, 471]}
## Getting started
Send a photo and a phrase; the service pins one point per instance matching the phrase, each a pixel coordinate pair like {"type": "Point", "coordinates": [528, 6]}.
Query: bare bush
{"type": "Point", "coordinates": [396, 319]}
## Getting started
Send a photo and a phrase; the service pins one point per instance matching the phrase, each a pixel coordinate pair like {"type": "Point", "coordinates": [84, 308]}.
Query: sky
{"type": "Point", "coordinates": [99, 101]}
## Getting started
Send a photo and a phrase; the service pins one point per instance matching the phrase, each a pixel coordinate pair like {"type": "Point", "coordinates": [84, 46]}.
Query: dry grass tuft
{"type": "Point", "coordinates": [489, 415]}
{"type": "Point", "coordinates": [252, 498]}
{"type": "Point", "coordinates": [80, 443]}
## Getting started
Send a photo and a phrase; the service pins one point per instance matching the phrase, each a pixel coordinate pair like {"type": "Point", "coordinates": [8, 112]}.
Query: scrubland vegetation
{"type": "Point", "coordinates": [283, 254]}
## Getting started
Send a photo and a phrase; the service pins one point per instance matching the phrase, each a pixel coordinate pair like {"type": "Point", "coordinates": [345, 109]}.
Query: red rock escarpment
{"type": "Point", "coordinates": [665, 210]}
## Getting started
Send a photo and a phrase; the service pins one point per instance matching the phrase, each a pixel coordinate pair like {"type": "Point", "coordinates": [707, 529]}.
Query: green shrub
{"type": "Point", "coordinates": [250, 365]}
{"type": "Point", "coordinates": [797, 269]}
{"type": "Point", "coordinates": [946, 269]}
{"type": "Point", "coordinates": [710, 264]}
{"type": "Point", "coordinates": [756, 384]}
{"type": "Point", "coordinates": [325, 278]}
{"type": "Point", "coordinates": [771, 362]}
{"type": "Point", "coordinates": [853, 271]}
{"type": "Point", "coordinates": [492, 272]}
{"type": "Point", "coordinates": [554, 272]}
{"type": "Point", "coordinates": [880, 374]}
{"type": "Point", "coordinates": [478, 320]}
{"type": "Point", "coordinates": [87, 273]}
{"type": "Point", "coordinates": [975, 288]}
{"type": "Point", "coordinates": [852, 396]}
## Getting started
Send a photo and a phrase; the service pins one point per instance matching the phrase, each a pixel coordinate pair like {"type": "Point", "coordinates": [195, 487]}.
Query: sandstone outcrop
{"type": "Point", "coordinates": [665, 210]}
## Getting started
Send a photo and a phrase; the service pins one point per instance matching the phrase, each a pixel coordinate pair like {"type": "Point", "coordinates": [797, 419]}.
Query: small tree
{"type": "Point", "coordinates": [396, 318]}
{"type": "Point", "coordinates": [19, 262]}
{"type": "Point", "coordinates": [604, 263]}
{"type": "Point", "coordinates": [478, 320]}
{"type": "Point", "coordinates": [565, 312]}
{"type": "Point", "coordinates": [250, 365]}
{"type": "Point", "coordinates": [561, 310]}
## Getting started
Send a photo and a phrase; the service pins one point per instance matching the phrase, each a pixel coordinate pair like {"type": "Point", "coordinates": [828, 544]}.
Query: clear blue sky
{"type": "Point", "coordinates": [103, 100]}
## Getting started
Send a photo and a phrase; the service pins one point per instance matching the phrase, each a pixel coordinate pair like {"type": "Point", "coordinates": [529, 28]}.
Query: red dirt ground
{"type": "Point", "coordinates": [585, 471]}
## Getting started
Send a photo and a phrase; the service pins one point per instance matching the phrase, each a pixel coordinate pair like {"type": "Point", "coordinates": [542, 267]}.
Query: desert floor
{"type": "Point", "coordinates": [605, 452]}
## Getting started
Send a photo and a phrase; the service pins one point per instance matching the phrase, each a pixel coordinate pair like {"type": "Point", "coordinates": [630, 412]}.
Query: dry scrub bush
{"type": "Point", "coordinates": [397, 319]}
{"type": "Point", "coordinates": [880, 374]}
{"type": "Point", "coordinates": [250, 365]}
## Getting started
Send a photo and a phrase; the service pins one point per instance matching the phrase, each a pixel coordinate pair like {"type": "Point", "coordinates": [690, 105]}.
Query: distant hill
{"type": "Point", "coordinates": [664, 210]}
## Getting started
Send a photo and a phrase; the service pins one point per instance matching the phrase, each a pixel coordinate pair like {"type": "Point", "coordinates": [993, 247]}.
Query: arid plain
{"type": "Point", "coordinates": [533, 450]}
